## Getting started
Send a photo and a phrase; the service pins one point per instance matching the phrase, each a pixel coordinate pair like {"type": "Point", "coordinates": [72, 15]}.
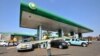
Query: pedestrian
{"type": "Point", "coordinates": [49, 48]}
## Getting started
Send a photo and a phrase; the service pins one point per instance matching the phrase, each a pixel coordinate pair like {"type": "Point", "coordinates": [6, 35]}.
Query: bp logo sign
{"type": "Point", "coordinates": [32, 5]}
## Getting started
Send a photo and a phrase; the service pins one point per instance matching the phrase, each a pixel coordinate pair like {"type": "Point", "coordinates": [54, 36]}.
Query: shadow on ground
{"type": "Point", "coordinates": [57, 55]}
{"type": "Point", "coordinates": [60, 54]}
{"type": "Point", "coordinates": [22, 51]}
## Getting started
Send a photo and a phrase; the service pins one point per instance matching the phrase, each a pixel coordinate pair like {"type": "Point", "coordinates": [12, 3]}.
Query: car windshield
{"type": "Point", "coordinates": [26, 41]}
{"type": "Point", "coordinates": [67, 39]}
{"type": "Point", "coordinates": [23, 41]}
{"type": "Point", "coordinates": [3, 41]}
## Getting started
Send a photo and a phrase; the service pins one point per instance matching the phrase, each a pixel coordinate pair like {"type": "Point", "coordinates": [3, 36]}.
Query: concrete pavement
{"type": "Point", "coordinates": [92, 50]}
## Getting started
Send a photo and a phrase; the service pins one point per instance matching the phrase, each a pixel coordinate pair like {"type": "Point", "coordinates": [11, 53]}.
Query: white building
{"type": "Point", "coordinates": [5, 36]}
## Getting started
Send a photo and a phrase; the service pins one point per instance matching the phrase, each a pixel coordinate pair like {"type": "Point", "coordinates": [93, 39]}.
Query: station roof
{"type": "Point", "coordinates": [31, 16]}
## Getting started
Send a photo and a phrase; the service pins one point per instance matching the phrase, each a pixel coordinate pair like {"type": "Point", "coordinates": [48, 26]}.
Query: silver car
{"type": "Point", "coordinates": [24, 46]}
{"type": "Point", "coordinates": [3, 43]}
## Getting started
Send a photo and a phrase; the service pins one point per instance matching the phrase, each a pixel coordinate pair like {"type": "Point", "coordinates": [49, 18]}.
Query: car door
{"type": "Point", "coordinates": [75, 42]}
{"type": "Point", "coordinates": [72, 41]}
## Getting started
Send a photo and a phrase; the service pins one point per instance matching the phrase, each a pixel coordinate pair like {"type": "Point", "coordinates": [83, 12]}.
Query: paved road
{"type": "Point", "coordinates": [2, 50]}
{"type": "Point", "coordinates": [92, 50]}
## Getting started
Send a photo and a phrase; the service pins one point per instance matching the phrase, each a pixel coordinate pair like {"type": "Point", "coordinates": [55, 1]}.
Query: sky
{"type": "Point", "coordinates": [83, 12]}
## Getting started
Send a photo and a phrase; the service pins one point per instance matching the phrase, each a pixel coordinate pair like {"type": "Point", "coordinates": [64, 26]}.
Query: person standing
{"type": "Point", "coordinates": [49, 48]}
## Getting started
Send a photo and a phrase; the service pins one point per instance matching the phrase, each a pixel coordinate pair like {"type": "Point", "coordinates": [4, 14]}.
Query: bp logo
{"type": "Point", "coordinates": [32, 5]}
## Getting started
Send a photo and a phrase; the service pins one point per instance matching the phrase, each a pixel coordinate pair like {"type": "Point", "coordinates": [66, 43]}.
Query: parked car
{"type": "Point", "coordinates": [24, 46]}
{"type": "Point", "coordinates": [3, 43]}
{"type": "Point", "coordinates": [76, 41]}
{"type": "Point", "coordinates": [59, 44]}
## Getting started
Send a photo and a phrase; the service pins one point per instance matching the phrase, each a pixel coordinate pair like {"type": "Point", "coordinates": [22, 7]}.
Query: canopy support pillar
{"type": "Point", "coordinates": [60, 33]}
{"type": "Point", "coordinates": [80, 35]}
{"type": "Point", "coordinates": [72, 33]}
{"type": "Point", "coordinates": [39, 32]}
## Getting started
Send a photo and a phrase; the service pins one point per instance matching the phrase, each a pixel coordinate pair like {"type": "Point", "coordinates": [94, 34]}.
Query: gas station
{"type": "Point", "coordinates": [31, 16]}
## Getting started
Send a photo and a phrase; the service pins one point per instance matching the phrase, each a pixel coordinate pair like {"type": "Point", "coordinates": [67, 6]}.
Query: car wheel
{"type": "Point", "coordinates": [60, 46]}
{"type": "Point", "coordinates": [84, 45]}
{"type": "Point", "coordinates": [4, 45]}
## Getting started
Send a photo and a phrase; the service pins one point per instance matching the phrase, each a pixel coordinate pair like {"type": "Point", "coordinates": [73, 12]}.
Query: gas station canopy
{"type": "Point", "coordinates": [32, 16]}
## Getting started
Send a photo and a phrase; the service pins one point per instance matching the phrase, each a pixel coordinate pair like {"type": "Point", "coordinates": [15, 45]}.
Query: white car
{"type": "Point", "coordinates": [3, 43]}
{"type": "Point", "coordinates": [24, 46]}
